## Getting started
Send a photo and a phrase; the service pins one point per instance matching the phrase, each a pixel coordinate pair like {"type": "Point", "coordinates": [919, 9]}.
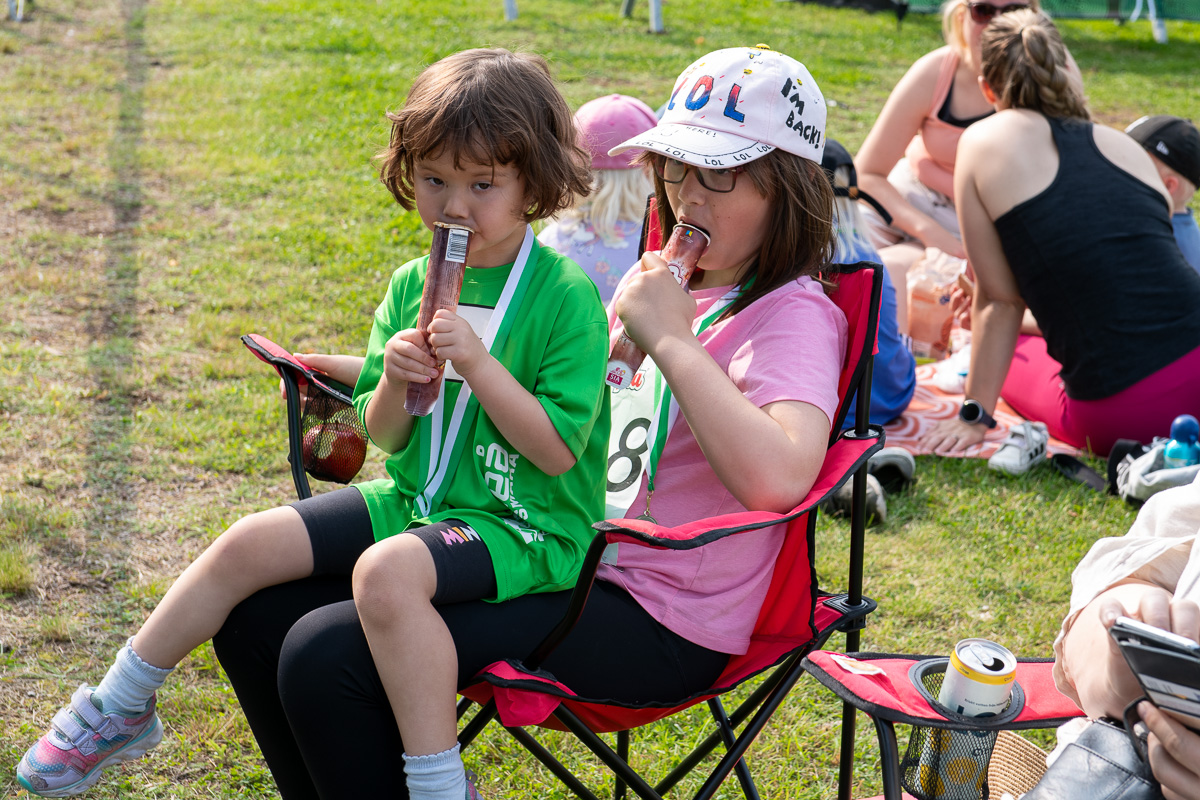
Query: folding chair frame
{"type": "Point", "coordinates": [756, 710]}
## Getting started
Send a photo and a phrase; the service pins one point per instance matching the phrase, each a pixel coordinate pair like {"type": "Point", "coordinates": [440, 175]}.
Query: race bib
{"type": "Point", "coordinates": [633, 421]}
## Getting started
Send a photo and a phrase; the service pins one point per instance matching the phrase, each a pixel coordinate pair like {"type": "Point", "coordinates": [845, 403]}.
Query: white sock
{"type": "Point", "coordinates": [129, 683]}
{"type": "Point", "coordinates": [440, 776]}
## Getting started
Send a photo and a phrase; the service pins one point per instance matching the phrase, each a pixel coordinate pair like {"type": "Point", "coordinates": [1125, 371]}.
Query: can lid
{"type": "Point", "coordinates": [984, 661]}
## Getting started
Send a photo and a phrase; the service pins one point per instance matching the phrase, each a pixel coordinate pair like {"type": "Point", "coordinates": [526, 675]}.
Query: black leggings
{"type": "Point", "coordinates": [299, 662]}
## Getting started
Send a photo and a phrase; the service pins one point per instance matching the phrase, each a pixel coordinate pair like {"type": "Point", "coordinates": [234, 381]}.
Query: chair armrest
{"type": "Point", "coordinates": [846, 456]}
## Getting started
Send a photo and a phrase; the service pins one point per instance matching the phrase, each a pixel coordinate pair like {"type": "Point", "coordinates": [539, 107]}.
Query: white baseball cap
{"type": "Point", "coordinates": [735, 105]}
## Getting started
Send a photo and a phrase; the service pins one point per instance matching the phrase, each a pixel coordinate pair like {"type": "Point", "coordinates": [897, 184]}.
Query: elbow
{"type": "Point", "coordinates": [555, 460]}
{"type": "Point", "coordinates": [558, 465]}
{"type": "Point", "coordinates": [778, 491]}
{"type": "Point", "coordinates": [775, 499]}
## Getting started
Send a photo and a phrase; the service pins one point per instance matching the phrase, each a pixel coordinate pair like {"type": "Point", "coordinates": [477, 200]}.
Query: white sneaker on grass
{"type": "Point", "coordinates": [1024, 447]}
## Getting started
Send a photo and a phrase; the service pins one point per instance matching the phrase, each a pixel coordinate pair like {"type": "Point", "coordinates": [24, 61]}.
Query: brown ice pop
{"type": "Point", "coordinates": [443, 282]}
{"type": "Point", "coordinates": [682, 252]}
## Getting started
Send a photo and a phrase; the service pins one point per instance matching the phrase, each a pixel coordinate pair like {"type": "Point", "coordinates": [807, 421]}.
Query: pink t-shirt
{"type": "Point", "coordinates": [932, 152]}
{"type": "Point", "coordinates": [788, 345]}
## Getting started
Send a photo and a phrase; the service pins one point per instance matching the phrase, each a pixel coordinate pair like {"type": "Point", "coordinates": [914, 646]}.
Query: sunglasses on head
{"type": "Point", "coordinates": [983, 13]}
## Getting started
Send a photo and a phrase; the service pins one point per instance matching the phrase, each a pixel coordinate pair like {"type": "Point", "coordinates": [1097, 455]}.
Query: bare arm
{"type": "Point", "coordinates": [404, 360]}
{"type": "Point", "coordinates": [767, 457]}
{"type": "Point", "coordinates": [517, 414]}
{"type": "Point", "coordinates": [342, 368]}
{"type": "Point", "coordinates": [997, 309]}
{"type": "Point", "coordinates": [885, 144]}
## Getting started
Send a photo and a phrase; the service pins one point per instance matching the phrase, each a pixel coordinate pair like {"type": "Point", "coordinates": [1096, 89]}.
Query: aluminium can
{"type": "Point", "coordinates": [979, 678]}
{"type": "Point", "coordinates": [978, 683]}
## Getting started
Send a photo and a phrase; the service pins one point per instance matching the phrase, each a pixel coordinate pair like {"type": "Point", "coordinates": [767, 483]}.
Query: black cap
{"type": "Point", "coordinates": [1173, 141]}
{"type": "Point", "coordinates": [837, 156]}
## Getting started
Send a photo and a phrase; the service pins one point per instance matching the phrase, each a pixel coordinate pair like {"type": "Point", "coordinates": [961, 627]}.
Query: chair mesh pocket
{"type": "Point", "coordinates": [334, 440]}
{"type": "Point", "coordinates": [942, 764]}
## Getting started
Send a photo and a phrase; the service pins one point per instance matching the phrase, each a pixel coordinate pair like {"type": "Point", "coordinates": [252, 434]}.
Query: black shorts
{"type": "Point", "coordinates": [339, 529]}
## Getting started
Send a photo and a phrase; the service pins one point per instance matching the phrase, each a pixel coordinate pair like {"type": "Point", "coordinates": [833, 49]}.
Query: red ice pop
{"type": "Point", "coordinates": [443, 282]}
{"type": "Point", "coordinates": [682, 252]}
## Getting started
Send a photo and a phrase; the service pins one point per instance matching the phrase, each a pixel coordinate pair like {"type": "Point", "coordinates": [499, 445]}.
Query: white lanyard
{"type": "Point", "coordinates": [444, 451]}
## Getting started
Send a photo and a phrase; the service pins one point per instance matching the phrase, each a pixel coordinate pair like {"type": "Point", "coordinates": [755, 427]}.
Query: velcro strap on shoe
{"type": "Point", "coordinates": [80, 737]}
{"type": "Point", "coordinates": [81, 704]}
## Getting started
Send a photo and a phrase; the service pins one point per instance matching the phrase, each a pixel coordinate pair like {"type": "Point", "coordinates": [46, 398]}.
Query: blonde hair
{"type": "Point", "coordinates": [617, 195]}
{"type": "Point", "coordinates": [1026, 64]}
{"type": "Point", "coordinates": [954, 19]}
{"type": "Point", "coordinates": [849, 222]}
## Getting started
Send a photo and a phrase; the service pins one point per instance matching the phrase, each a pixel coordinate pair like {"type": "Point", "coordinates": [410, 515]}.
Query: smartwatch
{"type": "Point", "coordinates": [972, 413]}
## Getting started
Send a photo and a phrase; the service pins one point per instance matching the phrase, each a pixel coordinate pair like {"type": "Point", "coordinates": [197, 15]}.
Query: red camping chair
{"type": "Point", "coordinates": [795, 619]}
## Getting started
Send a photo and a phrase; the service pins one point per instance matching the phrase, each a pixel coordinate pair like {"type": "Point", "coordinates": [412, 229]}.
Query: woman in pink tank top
{"type": "Point", "coordinates": [907, 160]}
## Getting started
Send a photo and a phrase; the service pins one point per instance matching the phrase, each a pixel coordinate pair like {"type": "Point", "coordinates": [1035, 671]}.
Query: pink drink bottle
{"type": "Point", "coordinates": [682, 252]}
{"type": "Point", "coordinates": [443, 282]}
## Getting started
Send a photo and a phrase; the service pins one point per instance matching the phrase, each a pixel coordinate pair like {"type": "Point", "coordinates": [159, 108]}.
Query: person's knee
{"type": "Point", "coordinates": [390, 576]}
{"type": "Point", "coordinates": [253, 549]}
{"type": "Point", "coordinates": [315, 653]}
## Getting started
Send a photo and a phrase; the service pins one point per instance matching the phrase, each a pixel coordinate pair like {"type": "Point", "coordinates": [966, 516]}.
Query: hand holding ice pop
{"type": "Point", "coordinates": [682, 252]}
{"type": "Point", "coordinates": [443, 283]}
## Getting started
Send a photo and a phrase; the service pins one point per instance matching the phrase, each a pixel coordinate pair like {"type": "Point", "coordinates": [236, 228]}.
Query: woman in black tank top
{"type": "Point", "coordinates": [1068, 219]}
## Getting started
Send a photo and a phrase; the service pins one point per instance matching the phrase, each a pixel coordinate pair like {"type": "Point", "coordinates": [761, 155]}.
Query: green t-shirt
{"type": "Point", "coordinates": [536, 527]}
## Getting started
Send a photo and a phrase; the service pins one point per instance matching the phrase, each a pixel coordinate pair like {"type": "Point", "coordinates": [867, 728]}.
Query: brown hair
{"type": "Point", "coordinates": [801, 232]}
{"type": "Point", "coordinates": [1026, 64]}
{"type": "Point", "coordinates": [490, 106]}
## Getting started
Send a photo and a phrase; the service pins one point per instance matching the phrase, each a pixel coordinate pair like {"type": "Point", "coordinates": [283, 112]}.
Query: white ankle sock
{"type": "Point", "coordinates": [440, 776]}
{"type": "Point", "coordinates": [129, 683]}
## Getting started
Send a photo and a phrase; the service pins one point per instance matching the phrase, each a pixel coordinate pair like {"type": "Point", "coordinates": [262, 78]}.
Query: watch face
{"type": "Point", "coordinates": [971, 412]}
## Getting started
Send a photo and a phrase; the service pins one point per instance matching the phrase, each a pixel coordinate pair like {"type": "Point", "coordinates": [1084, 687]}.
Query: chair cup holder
{"type": "Point", "coordinates": [951, 763]}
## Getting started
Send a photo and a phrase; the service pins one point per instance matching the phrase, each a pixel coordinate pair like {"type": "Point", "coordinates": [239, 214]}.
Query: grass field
{"type": "Point", "coordinates": [174, 174]}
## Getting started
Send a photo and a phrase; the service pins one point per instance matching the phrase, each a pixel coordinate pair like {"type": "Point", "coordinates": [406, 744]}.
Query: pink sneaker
{"type": "Point", "coordinates": [81, 742]}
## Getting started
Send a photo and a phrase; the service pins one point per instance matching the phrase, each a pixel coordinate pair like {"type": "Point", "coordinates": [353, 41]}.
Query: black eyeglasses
{"type": "Point", "coordinates": [715, 180]}
{"type": "Point", "coordinates": [983, 13]}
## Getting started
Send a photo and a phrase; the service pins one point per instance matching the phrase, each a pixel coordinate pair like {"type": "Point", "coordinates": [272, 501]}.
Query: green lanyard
{"type": "Point", "coordinates": [666, 406]}
{"type": "Point", "coordinates": [440, 455]}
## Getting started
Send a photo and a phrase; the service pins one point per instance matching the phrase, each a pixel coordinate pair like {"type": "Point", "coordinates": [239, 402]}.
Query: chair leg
{"type": "Point", "coordinates": [623, 752]}
{"type": "Point", "coordinates": [477, 723]}
{"type": "Point", "coordinates": [889, 759]}
{"type": "Point", "coordinates": [749, 733]}
{"type": "Point", "coordinates": [551, 763]}
{"type": "Point", "coordinates": [741, 768]}
{"type": "Point", "coordinates": [740, 715]}
{"type": "Point", "coordinates": [846, 761]}
{"type": "Point", "coordinates": [606, 754]}
{"type": "Point", "coordinates": [464, 705]}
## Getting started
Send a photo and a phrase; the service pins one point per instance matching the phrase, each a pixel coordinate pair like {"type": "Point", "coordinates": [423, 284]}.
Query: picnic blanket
{"type": "Point", "coordinates": [931, 404]}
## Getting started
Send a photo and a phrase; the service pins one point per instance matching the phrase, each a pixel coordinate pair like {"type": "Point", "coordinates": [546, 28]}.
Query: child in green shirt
{"type": "Point", "coordinates": [490, 497]}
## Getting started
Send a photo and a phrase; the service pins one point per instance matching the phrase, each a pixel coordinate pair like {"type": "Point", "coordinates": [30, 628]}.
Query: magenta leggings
{"type": "Point", "coordinates": [1141, 412]}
